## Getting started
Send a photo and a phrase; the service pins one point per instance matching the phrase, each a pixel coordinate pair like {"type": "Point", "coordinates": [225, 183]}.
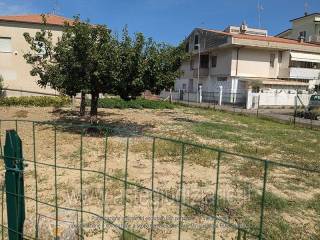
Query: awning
{"type": "Point", "coordinates": [305, 57]}
{"type": "Point", "coordinates": [272, 81]}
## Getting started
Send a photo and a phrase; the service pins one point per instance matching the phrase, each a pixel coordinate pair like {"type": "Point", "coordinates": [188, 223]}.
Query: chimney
{"type": "Point", "coordinates": [243, 27]}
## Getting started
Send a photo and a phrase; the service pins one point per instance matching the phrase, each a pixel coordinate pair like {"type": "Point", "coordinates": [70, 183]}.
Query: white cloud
{"type": "Point", "coordinates": [8, 7]}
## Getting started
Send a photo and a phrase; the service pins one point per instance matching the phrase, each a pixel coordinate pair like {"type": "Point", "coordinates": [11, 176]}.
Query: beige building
{"type": "Point", "coordinates": [306, 28]}
{"type": "Point", "coordinates": [242, 59]}
{"type": "Point", "coordinates": [13, 67]}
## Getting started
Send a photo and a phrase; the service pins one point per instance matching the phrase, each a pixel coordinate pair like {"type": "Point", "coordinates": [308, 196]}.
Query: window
{"type": "Point", "coordinates": [272, 58]}
{"type": "Point", "coordinates": [191, 64]}
{"type": "Point", "coordinates": [214, 61]}
{"type": "Point", "coordinates": [303, 34]}
{"type": "Point", "coordinates": [196, 41]}
{"type": "Point", "coordinates": [298, 64]}
{"type": "Point", "coordinates": [190, 87]}
{"type": "Point", "coordinates": [280, 57]}
{"type": "Point", "coordinates": [5, 45]}
{"type": "Point", "coordinates": [184, 86]}
{"type": "Point", "coordinates": [204, 61]}
{"type": "Point", "coordinates": [187, 47]}
{"type": "Point", "coordinates": [222, 79]}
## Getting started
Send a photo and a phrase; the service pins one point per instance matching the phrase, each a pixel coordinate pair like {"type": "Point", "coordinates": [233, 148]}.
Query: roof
{"type": "Point", "coordinates": [37, 19]}
{"type": "Point", "coordinates": [263, 38]}
{"type": "Point", "coordinates": [307, 15]}
{"type": "Point", "coordinates": [284, 32]}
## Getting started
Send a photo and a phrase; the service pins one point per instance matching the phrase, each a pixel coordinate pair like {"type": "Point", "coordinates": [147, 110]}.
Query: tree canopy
{"type": "Point", "coordinates": [90, 59]}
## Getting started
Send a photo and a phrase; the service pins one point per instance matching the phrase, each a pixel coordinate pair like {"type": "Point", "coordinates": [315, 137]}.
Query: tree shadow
{"type": "Point", "coordinates": [70, 121]}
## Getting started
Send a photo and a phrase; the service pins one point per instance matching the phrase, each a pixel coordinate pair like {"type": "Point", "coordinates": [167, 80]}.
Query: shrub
{"type": "Point", "coordinates": [136, 104]}
{"type": "Point", "coordinates": [35, 101]}
{"type": "Point", "coordinates": [1, 86]}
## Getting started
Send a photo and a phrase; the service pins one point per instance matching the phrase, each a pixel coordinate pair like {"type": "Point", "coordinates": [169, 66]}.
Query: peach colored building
{"type": "Point", "coordinates": [13, 67]}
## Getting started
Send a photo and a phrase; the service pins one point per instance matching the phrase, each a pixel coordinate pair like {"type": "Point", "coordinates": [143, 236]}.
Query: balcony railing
{"type": "Point", "coordinates": [304, 73]}
{"type": "Point", "coordinates": [314, 38]}
{"type": "Point", "coordinates": [203, 72]}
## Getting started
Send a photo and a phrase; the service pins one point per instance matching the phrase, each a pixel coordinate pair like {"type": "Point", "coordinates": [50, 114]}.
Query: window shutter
{"type": "Point", "coordinates": [5, 45]}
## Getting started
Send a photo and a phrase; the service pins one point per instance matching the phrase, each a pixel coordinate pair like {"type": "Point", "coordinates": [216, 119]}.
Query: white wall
{"type": "Point", "coordinates": [278, 99]}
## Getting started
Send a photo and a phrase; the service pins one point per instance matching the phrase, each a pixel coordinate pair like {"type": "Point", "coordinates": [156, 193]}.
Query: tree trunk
{"type": "Point", "coordinates": [83, 104]}
{"type": "Point", "coordinates": [94, 104]}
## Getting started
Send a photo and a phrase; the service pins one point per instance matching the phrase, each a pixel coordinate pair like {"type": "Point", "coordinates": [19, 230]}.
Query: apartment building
{"type": "Point", "coordinates": [13, 67]}
{"type": "Point", "coordinates": [306, 28]}
{"type": "Point", "coordinates": [242, 59]}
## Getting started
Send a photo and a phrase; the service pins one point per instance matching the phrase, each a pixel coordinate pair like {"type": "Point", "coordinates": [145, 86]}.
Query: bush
{"type": "Point", "coordinates": [137, 104]}
{"type": "Point", "coordinates": [35, 101]}
{"type": "Point", "coordinates": [1, 86]}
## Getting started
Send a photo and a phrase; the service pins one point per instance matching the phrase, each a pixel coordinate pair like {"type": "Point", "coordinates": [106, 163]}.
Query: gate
{"type": "Point", "coordinates": [92, 182]}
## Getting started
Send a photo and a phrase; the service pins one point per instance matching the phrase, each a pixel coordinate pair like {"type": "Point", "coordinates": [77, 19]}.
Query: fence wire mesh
{"type": "Point", "coordinates": [84, 181]}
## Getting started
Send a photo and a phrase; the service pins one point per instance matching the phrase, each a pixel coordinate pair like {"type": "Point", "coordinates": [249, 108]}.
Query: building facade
{"type": "Point", "coordinates": [306, 28]}
{"type": "Point", "coordinates": [241, 60]}
{"type": "Point", "coordinates": [13, 67]}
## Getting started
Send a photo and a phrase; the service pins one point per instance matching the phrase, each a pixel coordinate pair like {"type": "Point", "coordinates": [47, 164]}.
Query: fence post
{"type": "Point", "coordinates": [220, 96]}
{"type": "Point", "coordinates": [295, 109]}
{"type": "Point", "coordinates": [258, 105]}
{"type": "Point", "coordinates": [200, 94]}
{"type": "Point", "coordinates": [262, 205]}
{"type": "Point", "coordinates": [14, 185]}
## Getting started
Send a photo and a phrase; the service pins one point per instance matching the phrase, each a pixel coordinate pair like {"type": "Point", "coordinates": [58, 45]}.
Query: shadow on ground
{"type": "Point", "coordinates": [70, 121]}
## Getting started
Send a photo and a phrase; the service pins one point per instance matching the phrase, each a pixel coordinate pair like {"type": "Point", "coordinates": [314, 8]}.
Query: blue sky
{"type": "Point", "coordinates": [170, 20]}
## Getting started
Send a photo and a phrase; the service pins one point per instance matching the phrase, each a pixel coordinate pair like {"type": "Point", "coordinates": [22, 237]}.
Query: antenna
{"type": "Point", "coordinates": [260, 9]}
{"type": "Point", "coordinates": [306, 8]}
{"type": "Point", "coordinates": [56, 7]}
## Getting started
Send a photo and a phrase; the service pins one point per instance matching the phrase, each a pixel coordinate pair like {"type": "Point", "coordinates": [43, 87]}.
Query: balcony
{"type": "Point", "coordinates": [304, 73]}
{"type": "Point", "coordinates": [204, 72]}
{"type": "Point", "coordinates": [314, 38]}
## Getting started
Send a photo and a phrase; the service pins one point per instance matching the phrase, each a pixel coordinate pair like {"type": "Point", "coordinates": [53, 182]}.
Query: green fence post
{"type": "Point", "coordinates": [181, 188]}
{"type": "Point", "coordinates": [14, 185]}
{"type": "Point", "coordinates": [216, 197]}
{"type": "Point", "coordinates": [265, 176]}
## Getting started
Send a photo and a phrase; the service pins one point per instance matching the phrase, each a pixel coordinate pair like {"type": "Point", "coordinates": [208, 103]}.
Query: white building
{"type": "Point", "coordinates": [241, 60]}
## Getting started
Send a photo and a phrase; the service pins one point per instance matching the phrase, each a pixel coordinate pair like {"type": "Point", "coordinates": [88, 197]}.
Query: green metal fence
{"type": "Point", "coordinates": [182, 151]}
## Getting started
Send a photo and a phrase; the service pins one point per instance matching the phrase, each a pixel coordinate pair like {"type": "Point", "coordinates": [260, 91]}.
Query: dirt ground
{"type": "Point", "coordinates": [292, 206]}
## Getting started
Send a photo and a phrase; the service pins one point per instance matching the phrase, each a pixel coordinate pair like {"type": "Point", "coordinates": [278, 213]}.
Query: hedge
{"type": "Point", "coordinates": [139, 103]}
{"type": "Point", "coordinates": [35, 101]}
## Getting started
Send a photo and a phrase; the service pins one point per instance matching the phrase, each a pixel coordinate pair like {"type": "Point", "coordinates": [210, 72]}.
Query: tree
{"type": "Point", "coordinates": [130, 55]}
{"type": "Point", "coordinates": [55, 66]}
{"type": "Point", "coordinates": [162, 65]}
{"type": "Point", "coordinates": [81, 61]}
{"type": "Point", "coordinates": [145, 65]}
{"type": "Point", "coordinates": [89, 59]}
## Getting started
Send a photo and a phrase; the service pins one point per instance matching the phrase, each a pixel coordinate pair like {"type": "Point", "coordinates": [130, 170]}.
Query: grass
{"type": "Point", "coordinates": [236, 133]}
{"type": "Point", "coordinates": [258, 137]}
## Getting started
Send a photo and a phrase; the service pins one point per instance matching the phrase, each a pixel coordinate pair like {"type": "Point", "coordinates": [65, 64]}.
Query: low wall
{"type": "Point", "coordinates": [274, 99]}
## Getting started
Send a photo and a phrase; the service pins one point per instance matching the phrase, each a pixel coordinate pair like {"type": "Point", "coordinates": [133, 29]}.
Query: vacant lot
{"type": "Point", "coordinates": [292, 206]}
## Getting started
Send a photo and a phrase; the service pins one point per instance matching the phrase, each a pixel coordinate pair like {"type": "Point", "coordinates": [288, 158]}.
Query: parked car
{"type": "Point", "coordinates": [312, 111]}
{"type": "Point", "coordinates": [314, 103]}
